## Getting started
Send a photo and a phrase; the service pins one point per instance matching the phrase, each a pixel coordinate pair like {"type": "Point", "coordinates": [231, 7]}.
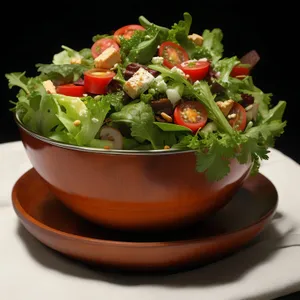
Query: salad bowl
{"type": "Point", "coordinates": [148, 127]}
{"type": "Point", "coordinates": [130, 190]}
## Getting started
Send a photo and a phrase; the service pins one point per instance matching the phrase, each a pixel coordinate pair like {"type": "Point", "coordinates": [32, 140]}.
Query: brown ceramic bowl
{"type": "Point", "coordinates": [130, 190]}
{"type": "Point", "coordinates": [230, 229]}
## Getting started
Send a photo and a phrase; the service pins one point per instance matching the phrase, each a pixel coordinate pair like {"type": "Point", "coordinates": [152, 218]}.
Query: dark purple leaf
{"type": "Point", "coordinates": [133, 67]}
{"type": "Point", "coordinates": [162, 105]}
{"type": "Point", "coordinates": [217, 88]}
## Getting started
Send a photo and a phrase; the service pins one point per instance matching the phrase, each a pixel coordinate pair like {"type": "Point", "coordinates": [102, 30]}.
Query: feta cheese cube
{"type": "Point", "coordinates": [173, 95]}
{"type": "Point", "coordinates": [160, 84]}
{"type": "Point", "coordinates": [138, 83]}
{"type": "Point", "coordinates": [49, 87]}
{"type": "Point", "coordinates": [108, 58]}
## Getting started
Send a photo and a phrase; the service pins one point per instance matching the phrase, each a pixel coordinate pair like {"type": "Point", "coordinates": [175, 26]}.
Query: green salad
{"type": "Point", "coordinates": [147, 87]}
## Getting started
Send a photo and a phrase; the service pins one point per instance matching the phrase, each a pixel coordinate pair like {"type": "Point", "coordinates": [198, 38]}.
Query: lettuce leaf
{"type": "Point", "coordinates": [140, 118]}
{"type": "Point", "coordinates": [61, 74]}
{"type": "Point", "coordinates": [69, 56]}
{"type": "Point", "coordinates": [88, 111]}
{"type": "Point", "coordinates": [212, 42]}
{"type": "Point", "coordinates": [35, 108]}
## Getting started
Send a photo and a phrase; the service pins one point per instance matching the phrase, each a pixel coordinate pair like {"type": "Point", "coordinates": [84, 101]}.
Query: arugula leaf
{"type": "Point", "coordinates": [275, 113]}
{"type": "Point", "coordinates": [203, 93]}
{"type": "Point", "coordinates": [200, 90]}
{"type": "Point", "coordinates": [163, 31]}
{"type": "Point", "coordinates": [171, 127]}
{"type": "Point", "coordinates": [17, 79]}
{"type": "Point", "coordinates": [179, 34]}
{"type": "Point", "coordinates": [267, 132]}
{"type": "Point", "coordinates": [61, 74]}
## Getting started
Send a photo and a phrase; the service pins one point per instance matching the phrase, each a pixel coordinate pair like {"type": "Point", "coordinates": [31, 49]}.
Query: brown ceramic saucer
{"type": "Point", "coordinates": [227, 231]}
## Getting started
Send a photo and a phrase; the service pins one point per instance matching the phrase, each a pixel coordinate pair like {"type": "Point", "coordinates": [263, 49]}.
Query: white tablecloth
{"type": "Point", "coordinates": [269, 269]}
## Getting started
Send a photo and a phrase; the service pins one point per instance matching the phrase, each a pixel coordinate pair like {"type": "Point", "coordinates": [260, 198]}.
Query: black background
{"type": "Point", "coordinates": [35, 32]}
{"type": "Point", "coordinates": [32, 33]}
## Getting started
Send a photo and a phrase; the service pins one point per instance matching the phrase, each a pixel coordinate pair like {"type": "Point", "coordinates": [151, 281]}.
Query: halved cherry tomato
{"type": "Point", "coordinates": [127, 31]}
{"type": "Point", "coordinates": [70, 90]}
{"type": "Point", "coordinates": [173, 54]}
{"type": "Point", "coordinates": [239, 70]}
{"type": "Point", "coordinates": [102, 44]}
{"type": "Point", "coordinates": [97, 80]}
{"type": "Point", "coordinates": [197, 70]}
{"type": "Point", "coordinates": [191, 114]}
{"type": "Point", "coordinates": [240, 120]}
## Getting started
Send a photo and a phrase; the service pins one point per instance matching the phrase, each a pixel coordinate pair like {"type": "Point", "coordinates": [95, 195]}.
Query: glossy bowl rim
{"type": "Point", "coordinates": [98, 150]}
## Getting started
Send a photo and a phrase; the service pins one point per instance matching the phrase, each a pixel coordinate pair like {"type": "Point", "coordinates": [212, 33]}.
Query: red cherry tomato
{"type": "Point", "coordinates": [239, 70]}
{"type": "Point", "coordinates": [197, 70]}
{"type": "Point", "coordinates": [173, 54]}
{"type": "Point", "coordinates": [127, 31]}
{"type": "Point", "coordinates": [102, 44]}
{"type": "Point", "coordinates": [191, 114]}
{"type": "Point", "coordinates": [70, 90]}
{"type": "Point", "coordinates": [239, 122]}
{"type": "Point", "coordinates": [96, 81]}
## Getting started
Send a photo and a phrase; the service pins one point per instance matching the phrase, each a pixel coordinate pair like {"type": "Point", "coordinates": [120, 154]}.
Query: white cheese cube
{"type": "Point", "coordinates": [173, 95]}
{"type": "Point", "coordinates": [108, 58]}
{"type": "Point", "coordinates": [160, 84]}
{"type": "Point", "coordinates": [138, 83]}
{"type": "Point", "coordinates": [49, 87]}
